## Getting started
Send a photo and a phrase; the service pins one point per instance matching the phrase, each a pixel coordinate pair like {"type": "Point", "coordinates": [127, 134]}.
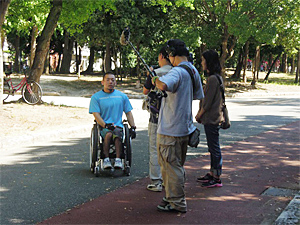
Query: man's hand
{"type": "Point", "coordinates": [110, 126]}
{"type": "Point", "coordinates": [198, 117]}
{"type": "Point", "coordinates": [154, 80]}
{"type": "Point", "coordinates": [132, 132]}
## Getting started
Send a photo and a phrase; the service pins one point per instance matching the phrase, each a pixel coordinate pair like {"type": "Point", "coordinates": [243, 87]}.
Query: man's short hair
{"type": "Point", "coordinates": [164, 53]}
{"type": "Point", "coordinates": [108, 72]}
{"type": "Point", "coordinates": [176, 47]}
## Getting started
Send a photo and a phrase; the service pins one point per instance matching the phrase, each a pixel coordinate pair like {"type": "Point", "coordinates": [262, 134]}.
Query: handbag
{"type": "Point", "coordinates": [194, 138]}
{"type": "Point", "coordinates": [225, 124]}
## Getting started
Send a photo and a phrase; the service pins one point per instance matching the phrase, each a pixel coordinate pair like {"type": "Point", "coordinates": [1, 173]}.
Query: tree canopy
{"type": "Point", "coordinates": [224, 25]}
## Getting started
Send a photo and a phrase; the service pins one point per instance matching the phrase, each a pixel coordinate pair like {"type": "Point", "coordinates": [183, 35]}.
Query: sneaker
{"type": "Point", "coordinates": [169, 208]}
{"type": "Point", "coordinates": [118, 164]}
{"type": "Point", "coordinates": [205, 179]}
{"type": "Point", "coordinates": [213, 183]}
{"type": "Point", "coordinates": [164, 202]}
{"type": "Point", "coordinates": [107, 164]}
{"type": "Point", "coordinates": [154, 187]}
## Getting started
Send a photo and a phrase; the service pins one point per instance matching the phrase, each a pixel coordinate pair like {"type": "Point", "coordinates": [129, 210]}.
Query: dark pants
{"type": "Point", "coordinates": [212, 137]}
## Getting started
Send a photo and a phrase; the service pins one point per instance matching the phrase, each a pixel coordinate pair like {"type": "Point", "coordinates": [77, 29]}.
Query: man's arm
{"type": "Point", "coordinates": [159, 84]}
{"type": "Point", "coordinates": [99, 119]}
{"type": "Point", "coordinates": [130, 119]}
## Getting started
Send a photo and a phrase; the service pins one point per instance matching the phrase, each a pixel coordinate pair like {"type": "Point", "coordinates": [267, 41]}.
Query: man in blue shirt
{"type": "Point", "coordinates": [108, 106]}
{"type": "Point", "coordinates": [175, 123]}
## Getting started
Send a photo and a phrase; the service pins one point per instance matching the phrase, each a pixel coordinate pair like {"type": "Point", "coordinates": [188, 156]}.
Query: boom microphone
{"type": "Point", "coordinates": [124, 39]}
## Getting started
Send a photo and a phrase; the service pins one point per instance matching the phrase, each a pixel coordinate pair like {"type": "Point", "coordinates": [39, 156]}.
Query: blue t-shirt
{"type": "Point", "coordinates": [175, 115]}
{"type": "Point", "coordinates": [110, 106]}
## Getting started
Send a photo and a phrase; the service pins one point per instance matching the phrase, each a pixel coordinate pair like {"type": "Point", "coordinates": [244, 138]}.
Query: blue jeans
{"type": "Point", "coordinates": [212, 137]}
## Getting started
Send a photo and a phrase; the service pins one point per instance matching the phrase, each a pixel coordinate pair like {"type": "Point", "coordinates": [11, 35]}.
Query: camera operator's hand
{"type": "Point", "coordinates": [110, 126]}
{"type": "Point", "coordinates": [148, 84]}
{"type": "Point", "coordinates": [132, 132]}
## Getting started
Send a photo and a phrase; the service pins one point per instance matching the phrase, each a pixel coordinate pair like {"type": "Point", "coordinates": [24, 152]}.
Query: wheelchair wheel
{"type": "Point", "coordinates": [128, 153]}
{"type": "Point", "coordinates": [93, 147]}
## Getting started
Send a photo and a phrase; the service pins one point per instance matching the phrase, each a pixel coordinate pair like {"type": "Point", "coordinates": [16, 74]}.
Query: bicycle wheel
{"type": "Point", "coordinates": [6, 90]}
{"type": "Point", "coordinates": [32, 93]}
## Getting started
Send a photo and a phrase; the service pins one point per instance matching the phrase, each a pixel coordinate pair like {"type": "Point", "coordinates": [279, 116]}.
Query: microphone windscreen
{"type": "Point", "coordinates": [123, 39]}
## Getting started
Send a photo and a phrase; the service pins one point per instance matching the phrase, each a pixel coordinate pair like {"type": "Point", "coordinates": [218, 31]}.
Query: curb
{"type": "Point", "coordinates": [290, 214]}
{"type": "Point", "coordinates": [261, 94]}
{"type": "Point", "coordinates": [228, 95]}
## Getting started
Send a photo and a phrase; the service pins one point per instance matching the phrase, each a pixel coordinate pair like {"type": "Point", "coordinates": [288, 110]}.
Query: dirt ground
{"type": "Point", "coordinates": [18, 118]}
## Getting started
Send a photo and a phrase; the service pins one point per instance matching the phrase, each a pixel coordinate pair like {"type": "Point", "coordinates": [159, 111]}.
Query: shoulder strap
{"type": "Point", "coordinates": [221, 87]}
{"type": "Point", "coordinates": [190, 72]}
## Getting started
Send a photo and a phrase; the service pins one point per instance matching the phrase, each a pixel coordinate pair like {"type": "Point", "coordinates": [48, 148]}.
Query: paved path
{"type": "Point", "coordinates": [49, 178]}
{"type": "Point", "coordinates": [250, 168]}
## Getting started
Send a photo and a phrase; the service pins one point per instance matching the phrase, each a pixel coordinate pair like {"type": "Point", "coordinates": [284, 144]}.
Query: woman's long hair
{"type": "Point", "coordinates": [212, 62]}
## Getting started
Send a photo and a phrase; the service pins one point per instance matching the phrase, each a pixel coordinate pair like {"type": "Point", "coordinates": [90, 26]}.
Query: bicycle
{"type": "Point", "coordinates": [31, 90]}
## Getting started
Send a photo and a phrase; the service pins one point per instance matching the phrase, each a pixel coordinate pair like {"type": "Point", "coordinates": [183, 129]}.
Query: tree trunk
{"type": "Point", "coordinates": [270, 69]}
{"type": "Point", "coordinates": [78, 57]}
{"type": "Point", "coordinates": [90, 68]}
{"type": "Point", "coordinates": [284, 63]}
{"type": "Point", "coordinates": [297, 79]}
{"type": "Point", "coordinates": [224, 50]}
{"type": "Point", "coordinates": [47, 64]}
{"type": "Point", "coordinates": [3, 10]}
{"type": "Point", "coordinates": [239, 67]}
{"type": "Point", "coordinates": [258, 62]}
{"type": "Point", "coordinates": [292, 65]}
{"type": "Point", "coordinates": [107, 60]}
{"type": "Point", "coordinates": [34, 34]}
{"type": "Point", "coordinates": [102, 64]}
{"type": "Point", "coordinates": [246, 52]}
{"type": "Point", "coordinates": [44, 41]}
{"type": "Point", "coordinates": [256, 65]}
{"type": "Point", "coordinates": [67, 53]}
{"type": "Point", "coordinates": [115, 57]}
{"type": "Point", "coordinates": [270, 61]}
{"type": "Point", "coordinates": [17, 55]}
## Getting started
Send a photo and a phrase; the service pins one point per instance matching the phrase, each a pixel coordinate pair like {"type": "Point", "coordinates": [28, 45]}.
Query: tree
{"type": "Point", "coordinates": [288, 28]}
{"type": "Point", "coordinates": [25, 18]}
{"type": "Point", "coordinates": [44, 41]}
{"type": "Point", "coordinates": [3, 10]}
{"type": "Point", "coordinates": [67, 52]}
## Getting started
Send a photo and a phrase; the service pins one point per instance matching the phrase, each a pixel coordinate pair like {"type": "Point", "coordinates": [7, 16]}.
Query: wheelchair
{"type": "Point", "coordinates": [97, 155]}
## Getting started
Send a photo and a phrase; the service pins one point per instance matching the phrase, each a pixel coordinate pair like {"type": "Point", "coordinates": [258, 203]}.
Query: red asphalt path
{"type": "Point", "coordinates": [270, 159]}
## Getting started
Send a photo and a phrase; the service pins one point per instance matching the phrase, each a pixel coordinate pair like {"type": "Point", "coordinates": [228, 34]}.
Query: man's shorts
{"type": "Point", "coordinates": [117, 132]}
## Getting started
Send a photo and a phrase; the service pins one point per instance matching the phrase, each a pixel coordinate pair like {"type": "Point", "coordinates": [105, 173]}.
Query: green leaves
{"type": "Point", "coordinates": [24, 14]}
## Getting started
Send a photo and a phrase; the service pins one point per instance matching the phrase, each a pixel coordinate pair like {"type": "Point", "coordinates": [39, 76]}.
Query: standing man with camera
{"type": "Point", "coordinates": [175, 123]}
{"type": "Point", "coordinates": [153, 104]}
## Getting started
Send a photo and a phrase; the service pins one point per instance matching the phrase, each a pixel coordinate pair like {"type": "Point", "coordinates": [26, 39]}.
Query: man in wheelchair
{"type": "Point", "coordinates": [108, 106]}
